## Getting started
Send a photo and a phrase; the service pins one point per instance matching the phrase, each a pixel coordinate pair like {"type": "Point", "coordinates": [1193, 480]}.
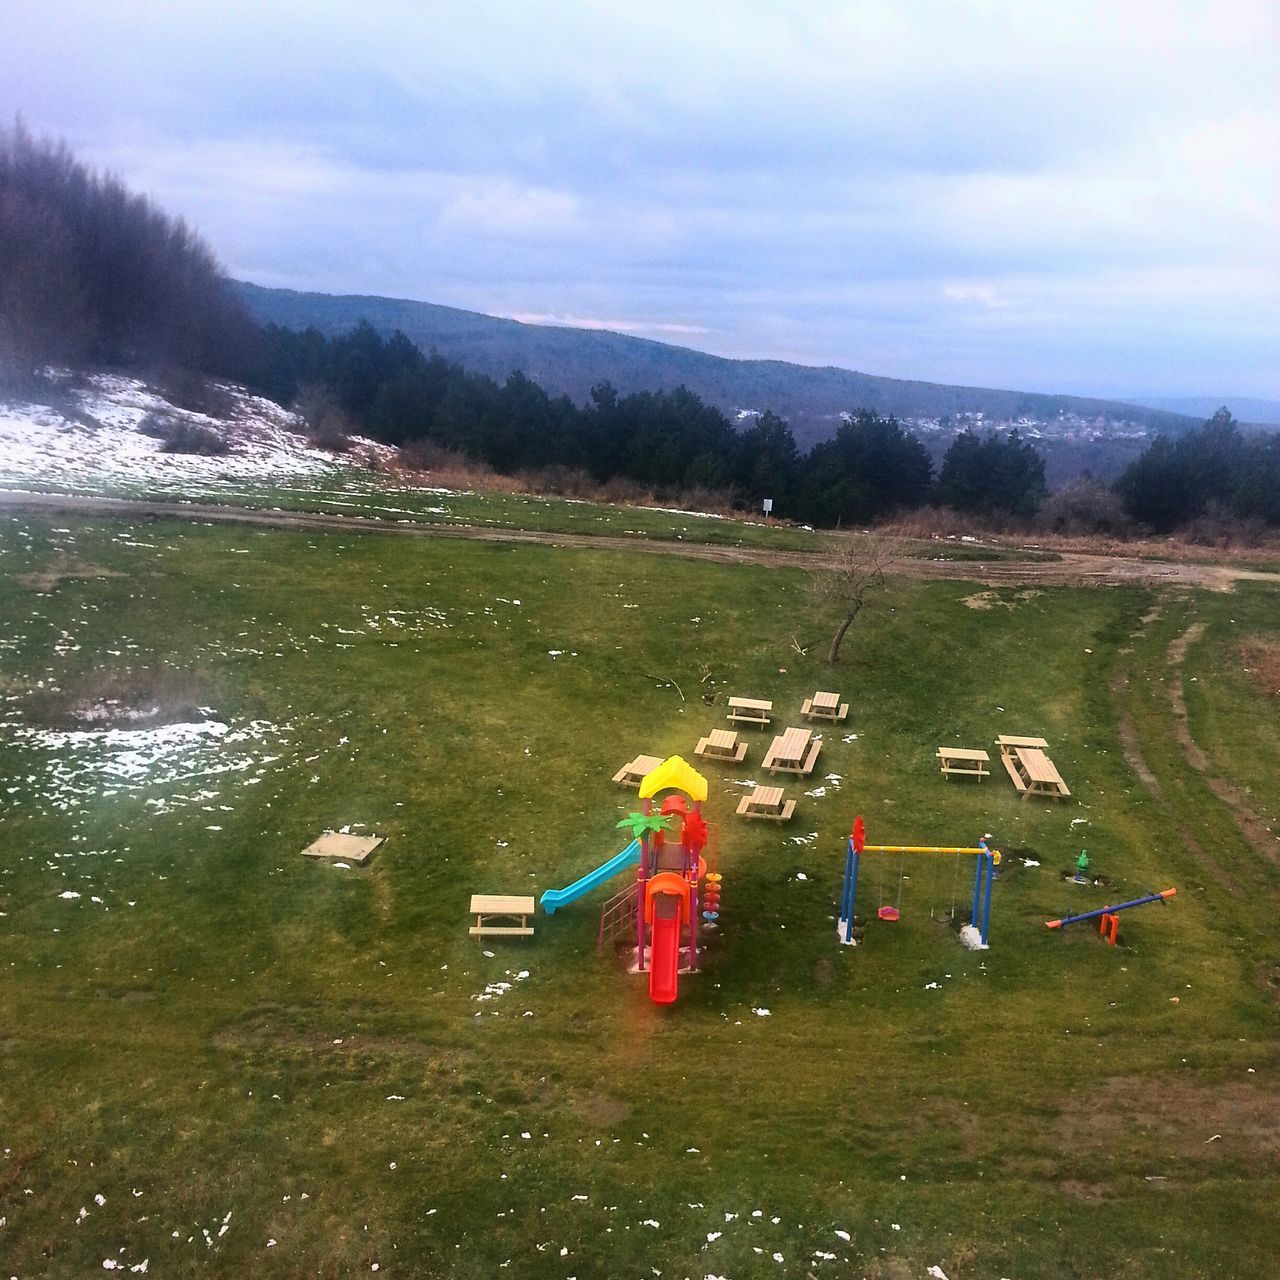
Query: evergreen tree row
{"type": "Point", "coordinates": [1217, 469]}
{"type": "Point", "coordinates": [669, 440]}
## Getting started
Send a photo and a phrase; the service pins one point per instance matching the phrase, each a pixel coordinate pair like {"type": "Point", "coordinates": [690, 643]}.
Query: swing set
{"type": "Point", "coordinates": [984, 874]}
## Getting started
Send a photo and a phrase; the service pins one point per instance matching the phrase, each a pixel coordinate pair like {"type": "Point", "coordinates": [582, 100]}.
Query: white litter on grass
{"type": "Point", "coordinates": [937, 1273]}
{"type": "Point", "coordinates": [76, 767]}
{"type": "Point", "coordinates": [971, 937]}
{"type": "Point", "coordinates": [651, 1222]}
{"type": "Point", "coordinates": [68, 894]}
{"type": "Point", "coordinates": [844, 1235]}
{"type": "Point", "coordinates": [675, 511]}
{"type": "Point", "coordinates": [761, 1013]}
{"type": "Point", "coordinates": [849, 737]}
{"type": "Point", "coordinates": [1030, 862]}
{"type": "Point", "coordinates": [933, 986]}
{"type": "Point", "coordinates": [800, 875]}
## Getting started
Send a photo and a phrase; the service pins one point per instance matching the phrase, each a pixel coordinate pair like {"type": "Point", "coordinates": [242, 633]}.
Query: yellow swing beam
{"type": "Point", "coordinates": [925, 848]}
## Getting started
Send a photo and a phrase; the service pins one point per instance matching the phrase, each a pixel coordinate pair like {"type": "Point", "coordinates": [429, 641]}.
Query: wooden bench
{"type": "Point", "coordinates": [766, 802]}
{"type": "Point", "coordinates": [723, 745]}
{"type": "Point", "coordinates": [488, 907]}
{"type": "Point", "coordinates": [963, 761]}
{"type": "Point", "coordinates": [1011, 768]}
{"type": "Point", "coordinates": [794, 751]}
{"type": "Point", "coordinates": [824, 706]}
{"type": "Point", "coordinates": [634, 773]}
{"type": "Point", "coordinates": [750, 711]}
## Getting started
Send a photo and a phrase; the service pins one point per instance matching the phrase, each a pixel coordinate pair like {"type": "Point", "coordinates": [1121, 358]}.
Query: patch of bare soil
{"type": "Point", "coordinates": [120, 700]}
{"type": "Point", "coordinates": [600, 1110]}
{"type": "Point", "coordinates": [1262, 661]}
{"type": "Point", "coordinates": [1182, 1116]}
{"type": "Point", "coordinates": [63, 569]}
{"type": "Point", "coordinates": [1248, 821]}
{"type": "Point", "coordinates": [264, 1033]}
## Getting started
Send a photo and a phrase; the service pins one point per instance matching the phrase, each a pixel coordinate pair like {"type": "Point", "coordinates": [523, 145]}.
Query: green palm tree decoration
{"type": "Point", "coordinates": [644, 824]}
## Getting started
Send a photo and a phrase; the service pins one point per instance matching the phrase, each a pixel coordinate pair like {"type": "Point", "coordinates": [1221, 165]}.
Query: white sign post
{"type": "Point", "coordinates": [768, 506]}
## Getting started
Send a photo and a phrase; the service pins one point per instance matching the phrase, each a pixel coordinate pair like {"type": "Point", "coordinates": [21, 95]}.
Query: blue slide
{"type": "Point", "coordinates": [555, 898]}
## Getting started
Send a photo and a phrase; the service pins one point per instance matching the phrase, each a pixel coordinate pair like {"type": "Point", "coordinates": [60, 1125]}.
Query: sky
{"type": "Point", "coordinates": [1074, 197]}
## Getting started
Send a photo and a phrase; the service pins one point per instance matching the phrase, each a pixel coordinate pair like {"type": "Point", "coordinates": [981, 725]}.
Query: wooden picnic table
{"type": "Point", "coordinates": [750, 711]}
{"type": "Point", "coordinates": [722, 744]}
{"type": "Point", "coordinates": [792, 752]}
{"type": "Point", "coordinates": [633, 773]}
{"type": "Point", "coordinates": [766, 802]}
{"type": "Point", "coordinates": [1009, 744]}
{"type": "Point", "coordinates": [1033, 773]}
{"type": "Point", "coordinates": [824, 706]}
{"type": "Point", "coordinates": [964, 761]}
{"type": "Point", "coordinates": [490, 908]}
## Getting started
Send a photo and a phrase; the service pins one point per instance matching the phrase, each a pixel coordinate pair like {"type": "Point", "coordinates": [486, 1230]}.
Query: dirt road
{"type": "Point", "coordinates": [1071, 569]}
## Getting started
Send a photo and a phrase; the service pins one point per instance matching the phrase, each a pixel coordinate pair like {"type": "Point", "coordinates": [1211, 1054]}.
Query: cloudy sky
{"type": "Point", "coordinates": [1030, 193]}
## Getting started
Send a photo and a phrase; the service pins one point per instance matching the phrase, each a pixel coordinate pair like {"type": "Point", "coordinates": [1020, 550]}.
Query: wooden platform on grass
{"type": "Point", "coordinates": [496, 912]}
{"type": "Point", "coordinates": [825, 706]}
{"type": "Point", "coordinates": [635, 771]}
{"type": "Point", "coordinates": [750, 711]}
{"type": "Point", "coordinates": [963, 761]}
{"type": "Point", "coordinates": [339, 844]}
{"type": "Point", "coordinates": [722, 745]}
{"type": "Point", "coordinates": [766, 802]}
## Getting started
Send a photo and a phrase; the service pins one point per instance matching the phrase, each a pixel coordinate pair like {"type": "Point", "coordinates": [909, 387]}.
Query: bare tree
{"type": "Point", "coordinates": [856, 566]}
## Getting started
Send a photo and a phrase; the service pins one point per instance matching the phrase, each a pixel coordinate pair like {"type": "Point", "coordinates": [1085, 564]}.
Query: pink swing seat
{"type": "Point", "coordinates": [888, 914]}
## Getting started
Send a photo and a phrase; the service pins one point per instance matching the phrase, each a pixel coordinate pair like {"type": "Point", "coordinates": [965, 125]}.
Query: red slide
{"type": "Point", "coordinates": [664, 954]}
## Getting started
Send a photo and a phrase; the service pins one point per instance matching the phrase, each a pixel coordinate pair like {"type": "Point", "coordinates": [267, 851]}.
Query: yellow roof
{"type": "Point", "coordinates": [674, 773]}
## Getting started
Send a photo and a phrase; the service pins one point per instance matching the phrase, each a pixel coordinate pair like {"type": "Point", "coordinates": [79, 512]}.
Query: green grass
{"type": "Point", "coordinates": [233, 1028]}
{"type": "Point", "coordinates": [352, 491]}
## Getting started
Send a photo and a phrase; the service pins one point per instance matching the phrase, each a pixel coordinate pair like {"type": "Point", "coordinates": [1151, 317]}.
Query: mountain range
{"type": "Point", "coordinates": [572, 361]}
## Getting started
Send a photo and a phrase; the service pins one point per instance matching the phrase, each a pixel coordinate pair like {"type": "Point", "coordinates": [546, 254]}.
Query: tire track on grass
{"type": "Point", "coordinates": [1251, 825]}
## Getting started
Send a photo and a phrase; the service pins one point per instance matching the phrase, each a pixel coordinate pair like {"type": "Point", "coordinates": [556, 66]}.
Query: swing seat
{"type": "Point", "coordinates": [888, 914]}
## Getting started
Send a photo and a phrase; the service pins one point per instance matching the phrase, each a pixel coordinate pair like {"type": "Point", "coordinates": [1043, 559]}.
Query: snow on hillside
{"type": "Point", "coordinates": [94, 445]}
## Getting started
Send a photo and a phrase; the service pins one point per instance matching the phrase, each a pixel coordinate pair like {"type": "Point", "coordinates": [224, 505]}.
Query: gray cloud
{"type": "Point", "coordinates": [1071, 197]}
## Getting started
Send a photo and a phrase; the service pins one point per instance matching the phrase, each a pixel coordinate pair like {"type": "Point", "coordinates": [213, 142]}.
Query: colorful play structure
{"type": "Point", "coordinates": [986, 862]}
{"type": "Point", "coordinates": [663, 904]}
{"type": "Point", "coordinates": [1108, 922]}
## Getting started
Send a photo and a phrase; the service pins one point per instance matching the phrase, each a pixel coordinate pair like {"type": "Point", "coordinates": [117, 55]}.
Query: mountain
{"type": "Point", "coordinates": [574, 360]}
{"type": "Point", "coordinates": [1243, 408]}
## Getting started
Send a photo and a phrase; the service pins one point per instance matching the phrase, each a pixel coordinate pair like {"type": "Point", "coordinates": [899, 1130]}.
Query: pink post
{"type": "Point", "coordinates": [642, 874]}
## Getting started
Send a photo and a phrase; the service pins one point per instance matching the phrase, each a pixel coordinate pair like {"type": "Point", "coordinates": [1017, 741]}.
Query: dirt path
{"type": "Point", "coordinates": [1072, 569]}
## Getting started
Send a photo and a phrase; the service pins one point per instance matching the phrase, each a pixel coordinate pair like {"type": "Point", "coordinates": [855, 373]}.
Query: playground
{"type": "Point", "coordinates": [223, 1058]}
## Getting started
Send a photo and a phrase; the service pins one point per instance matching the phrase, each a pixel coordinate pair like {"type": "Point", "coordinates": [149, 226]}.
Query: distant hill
{"type": "Point", "coordinates": [574, 360]}
{"type": "Point", "coordinates": [1243, 408]}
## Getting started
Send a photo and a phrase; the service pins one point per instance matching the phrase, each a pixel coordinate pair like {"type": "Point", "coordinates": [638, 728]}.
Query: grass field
{"type": "Point", "coordinates": [221, 1058]}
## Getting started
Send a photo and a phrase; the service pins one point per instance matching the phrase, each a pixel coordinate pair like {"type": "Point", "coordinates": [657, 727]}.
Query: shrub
{"type": "Point", "coordinates": [180, 436]}
{"type": "Point", "coordinates": [1083, 507]}
{"type": "Point", "coordinates": [187, 389]}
